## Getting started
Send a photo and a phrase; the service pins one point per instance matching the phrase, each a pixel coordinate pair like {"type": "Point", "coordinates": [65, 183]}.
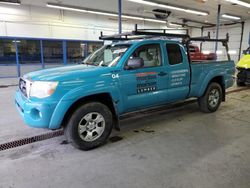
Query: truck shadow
{"type": "Point", "coordinates": [151, 121]}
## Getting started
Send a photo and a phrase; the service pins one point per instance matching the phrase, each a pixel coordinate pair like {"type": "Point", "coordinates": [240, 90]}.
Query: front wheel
{"type": "Point", "coordinates": [89, 126]}
{"type": "Point", "coordinates": [211, 101]}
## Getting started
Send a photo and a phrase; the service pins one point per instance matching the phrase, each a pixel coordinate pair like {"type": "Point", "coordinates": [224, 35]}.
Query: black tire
{"type": "Point", "coordinates": [89, 110]}
{"type": "Point", "coordinates": [205, 102]}
{"type": "Point", "coordinates": [240, 83]}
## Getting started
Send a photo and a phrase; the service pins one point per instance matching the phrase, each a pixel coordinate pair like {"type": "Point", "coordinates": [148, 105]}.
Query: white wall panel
{"type": "Point", "coordinates": [2, 28]}
{"type": "Point", "coordinates": [41, 22]}
{"type": "Point", "coordinates": [246, 35]}
{"type": "Point", "coordinates": [44, 13]}
{"type": "Point", "coordinates": [27, 30]}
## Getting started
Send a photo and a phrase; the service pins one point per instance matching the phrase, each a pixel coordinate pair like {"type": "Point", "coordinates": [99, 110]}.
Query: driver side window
{"type": "Point", "coordinates": [149, 55]}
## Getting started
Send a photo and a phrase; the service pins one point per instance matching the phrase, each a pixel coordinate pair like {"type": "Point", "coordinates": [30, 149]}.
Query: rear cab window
{"type": "Point", "coordinates": [174, 54]}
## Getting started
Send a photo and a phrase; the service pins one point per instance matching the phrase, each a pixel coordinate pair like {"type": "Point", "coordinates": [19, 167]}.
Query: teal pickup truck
{"type": "Point", "coordinates": [131, 74]}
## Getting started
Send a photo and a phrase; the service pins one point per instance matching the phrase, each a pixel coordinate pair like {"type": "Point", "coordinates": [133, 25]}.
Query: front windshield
{"type": "Point", "coordinates": [108, 55]}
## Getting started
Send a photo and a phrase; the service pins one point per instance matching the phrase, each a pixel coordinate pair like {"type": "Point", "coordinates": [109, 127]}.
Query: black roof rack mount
{"type": "Point", "coordinates": [151, 33]}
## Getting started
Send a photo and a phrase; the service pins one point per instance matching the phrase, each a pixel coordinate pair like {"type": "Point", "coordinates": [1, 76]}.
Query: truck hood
{"type": "Point", "coordinates": [244, 62]}
{"type": "Point", "coordinates": [64, 73]}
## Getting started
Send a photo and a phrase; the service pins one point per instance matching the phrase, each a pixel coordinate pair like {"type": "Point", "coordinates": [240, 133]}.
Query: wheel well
{"type": "Point", "coordinates": [103, 98]}
{"type": "Point", "coordinates": [220, 80]}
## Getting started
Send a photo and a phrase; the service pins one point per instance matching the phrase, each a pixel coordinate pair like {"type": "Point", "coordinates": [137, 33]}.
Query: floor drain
{"type": "Point", "coordinates": [5, 86]}
{"type": "Point", "coordinates": [30, 140]}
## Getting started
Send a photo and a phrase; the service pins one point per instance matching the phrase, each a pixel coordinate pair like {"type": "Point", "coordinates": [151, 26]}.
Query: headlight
{"type": "Point", "coordinates": [41, 89]}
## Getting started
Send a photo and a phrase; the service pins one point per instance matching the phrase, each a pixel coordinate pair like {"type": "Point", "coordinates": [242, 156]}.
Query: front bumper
{"type": "Point", "coordinates": [35, 114]}
{"type": "Point", "coordinates": [243, 75]}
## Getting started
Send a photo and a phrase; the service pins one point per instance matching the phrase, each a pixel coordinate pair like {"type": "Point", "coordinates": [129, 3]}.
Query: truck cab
{"type": "Point", "coordinates": [87, 100]}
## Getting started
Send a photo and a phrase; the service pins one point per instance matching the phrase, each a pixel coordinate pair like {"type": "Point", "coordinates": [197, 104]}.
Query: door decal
{"type": "Point", "coordinates": [146, 82]}
{"type": "Point", "coordinates": [177, 77]}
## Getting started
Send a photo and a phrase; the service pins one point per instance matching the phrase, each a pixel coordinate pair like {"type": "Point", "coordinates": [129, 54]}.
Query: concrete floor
{"type": "Point", "coordinates": [11, 125]}
{"type": "Point", "coordinates": [180, 148]}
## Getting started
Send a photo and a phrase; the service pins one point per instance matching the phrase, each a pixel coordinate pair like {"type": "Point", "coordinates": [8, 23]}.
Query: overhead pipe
{"type": "Point", "coordinates": [225, 24]}
{"type": "Point", "coordinates": [120, 16]}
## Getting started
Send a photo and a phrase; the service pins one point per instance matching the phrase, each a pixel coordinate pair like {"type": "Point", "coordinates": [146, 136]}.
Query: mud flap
{"type": "Point", "coordinates": [117, 124]}
{"type": "Point", "coordinates": [116, 118]}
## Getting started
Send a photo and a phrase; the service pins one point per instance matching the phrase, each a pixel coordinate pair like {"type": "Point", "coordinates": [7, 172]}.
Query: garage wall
{"type": "Point", "coordinates": [234, 41]}
{"type": "Point", "coordinates": [39, 22]}
{"type": "Point", "coordinates": [246, 36]}
{"type": "Point", "coordinates": [48, 24]}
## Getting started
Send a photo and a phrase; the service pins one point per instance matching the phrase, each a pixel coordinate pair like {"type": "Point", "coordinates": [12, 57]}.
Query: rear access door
{"type": "Point", "coordinates": [178, 70]}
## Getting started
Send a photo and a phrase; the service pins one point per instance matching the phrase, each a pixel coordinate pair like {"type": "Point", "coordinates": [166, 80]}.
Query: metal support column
{"type": "Point", "coordinates": [64, 52]}
{"type": "Point", "coordinates": [41, 53]}
{"type": "Point", "coordinates": [17, 59]}
{"type": "Point", "coordinates": [120, 15]}
{"type": "Point", "coordinates": [202, 30]}
{"type": "Point", "coordinates": [86, 50]}
{"type": "Point", "coordinates": [217, 27]}
{"type": "Point", "coordinates": [249, 39]}
{"type": "Point", "coordinates": [241, 37]}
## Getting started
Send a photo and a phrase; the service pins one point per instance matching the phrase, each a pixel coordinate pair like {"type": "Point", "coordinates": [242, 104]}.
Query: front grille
{"type": "Point", "coordinates": [23, 86]}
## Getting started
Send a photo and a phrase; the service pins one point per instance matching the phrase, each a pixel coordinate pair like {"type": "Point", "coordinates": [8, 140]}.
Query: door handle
{"type": "Point", "coordinates": [162, 74]}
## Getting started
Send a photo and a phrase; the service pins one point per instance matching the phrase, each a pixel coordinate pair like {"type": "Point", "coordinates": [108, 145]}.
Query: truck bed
{"type": "Point", "coordinates": [200, 71]}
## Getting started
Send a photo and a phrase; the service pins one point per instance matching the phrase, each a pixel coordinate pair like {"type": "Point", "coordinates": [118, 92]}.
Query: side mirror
{"type": "Point", "coordinates": [135, 63]}
{"type": "Point", "coordinates": [244, 52]}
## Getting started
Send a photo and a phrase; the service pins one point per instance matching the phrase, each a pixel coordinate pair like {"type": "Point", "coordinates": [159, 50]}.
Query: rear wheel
{"type": "Point", "coordinates": [89, 126]}
{"type": "Point", "coordinates": [211, 100]}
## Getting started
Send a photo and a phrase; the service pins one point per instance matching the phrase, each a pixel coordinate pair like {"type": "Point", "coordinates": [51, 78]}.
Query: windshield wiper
{"type": "Point", "coordinates": [91, 64]}
{"type": "Point", "coordinates": [84, 63]}
{"type": "Point", "coordinates": [103, 65]}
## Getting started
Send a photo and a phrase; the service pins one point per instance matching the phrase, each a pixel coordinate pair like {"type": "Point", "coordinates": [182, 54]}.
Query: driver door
{"type": "Point", "coordinates": [142, 87]}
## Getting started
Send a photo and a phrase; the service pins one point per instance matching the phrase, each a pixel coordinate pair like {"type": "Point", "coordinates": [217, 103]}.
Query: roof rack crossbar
{"type": "Point", "coordinates": [150, 33]}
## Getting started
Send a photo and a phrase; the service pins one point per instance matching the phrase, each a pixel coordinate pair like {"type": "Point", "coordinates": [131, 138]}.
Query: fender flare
{"type": "Point", "coordinates": [210, 76]}
{"type": "Point", "coordinates": [74, 95]}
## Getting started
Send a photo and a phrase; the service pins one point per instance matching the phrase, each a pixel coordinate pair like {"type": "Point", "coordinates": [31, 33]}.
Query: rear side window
{"type": "Point", "coordinates": [174, 54]}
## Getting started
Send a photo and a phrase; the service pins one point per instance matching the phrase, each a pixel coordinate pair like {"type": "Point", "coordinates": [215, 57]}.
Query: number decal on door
{"type": "Point", "coordinates": [115, 76]}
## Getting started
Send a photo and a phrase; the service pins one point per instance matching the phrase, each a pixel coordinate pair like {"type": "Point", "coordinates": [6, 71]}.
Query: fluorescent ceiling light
{"type": "Point", "coordinates": [101, 13]}
{"type": "Point", "coordinates": [231, 17]}
{"type": "Point", "coordinates": [65, 8]}
{"type": "Point", "coordinates": [70, 8]}
{"type": "Point", "coordinates": [10, 2]}
{"type": "Point", "coordinates": [239, 3]}
{"type": "Point", "coordinates": [143, 19]}
{"type": "Point", "coordinates": [153, 20]}
{"type": "Point", "coordinates": [187, 10]}
{"type": "Point", "coordinates": [132, 17]}
{"type": "Point", "coordinates": [174, 24]}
